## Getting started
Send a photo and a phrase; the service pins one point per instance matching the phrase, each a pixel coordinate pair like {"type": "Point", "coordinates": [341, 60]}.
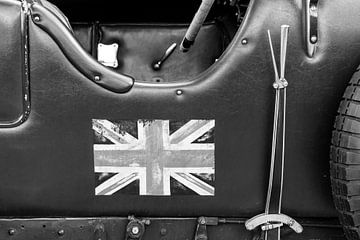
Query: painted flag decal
{"type": "Point", "coordinates": [154, 157]}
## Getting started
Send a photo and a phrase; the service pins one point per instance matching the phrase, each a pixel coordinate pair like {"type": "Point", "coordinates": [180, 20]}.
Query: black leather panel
{"type": "Point", "coordinates": [46, 165]}
{"type": "Point", "coordinates": [11, 85]}
{"type": "Point", "coordinates": [141, 46]}
{"type": "Point", "coordinates": [84, 33]}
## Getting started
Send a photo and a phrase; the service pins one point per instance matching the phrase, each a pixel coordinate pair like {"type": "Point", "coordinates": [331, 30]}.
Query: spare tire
{"type": "Point", "coordinates": [345, 159]}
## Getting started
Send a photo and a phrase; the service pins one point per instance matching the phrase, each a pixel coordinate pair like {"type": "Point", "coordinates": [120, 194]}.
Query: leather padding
{"type": "Point", "coordinates": [140, 46]}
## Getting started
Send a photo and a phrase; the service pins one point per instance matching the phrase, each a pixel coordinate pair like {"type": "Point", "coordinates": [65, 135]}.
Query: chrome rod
{"type": "Point", "coordinates": [283, 48]}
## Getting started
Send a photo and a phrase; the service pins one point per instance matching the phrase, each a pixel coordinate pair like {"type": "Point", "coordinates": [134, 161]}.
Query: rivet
{"type": "Point", "coordinates": [313, 39]}
{"type": "Point", "coordinates": [244, 41]}
{"type": "Point", "coordinates": [163, 231]}
{"type": "Point", "coordinates": [97, 78]}
{"type": "Point", "coordinates": [61, 232]}
{"type": "Point", "coordinates": [179, 92]}
{"type": "Point", "coordinates": [37, 18]}
{"type": "Point", "coordinates": [135, 230]}
{"type": "Point", "coordinates": [202, 220]}
{"type": "Point", "coordinates": [11, 231]}
{"type": "Point", "coordinates": [313, 7]}
{"type": "Point", "coordinates": [275, 85]}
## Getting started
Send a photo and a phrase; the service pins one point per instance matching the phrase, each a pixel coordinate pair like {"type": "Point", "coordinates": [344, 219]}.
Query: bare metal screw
{"type": "Point", "coordinates": [313, 39]}
{"type": "Point", "coordinates": [37, 19]}
{"type": "Point", "coordinates": [135, 230]}
{"type": "Point", "coordinates": [61, 232]}
{"type": "Point", "coordinates": [179, 92]}
{"type": "Point", "coordinates": [11, 231]}
{"type": "Point", "coordinates": [244, 41]}
{"type": "Point", "coordinates": [97, 78]}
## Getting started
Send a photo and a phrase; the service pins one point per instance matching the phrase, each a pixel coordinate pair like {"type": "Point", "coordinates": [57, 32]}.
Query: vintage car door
{"type": "Point", "coordinates": [81, 140]}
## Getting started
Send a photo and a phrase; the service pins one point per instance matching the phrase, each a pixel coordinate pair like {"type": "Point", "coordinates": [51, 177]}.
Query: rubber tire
{"type": "Point", "coordinates": [345, 159]}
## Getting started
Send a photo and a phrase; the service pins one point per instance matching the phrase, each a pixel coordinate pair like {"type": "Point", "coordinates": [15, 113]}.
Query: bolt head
{"type": "Point", "coordinates": [275, 85]}
{"type": "Point", "coordinates": [97, 78]}
{"type": "Point", "coordinates": [37, 18]}
{"type": "Point", "coordinates": [244, 41]}
{"type": "Point", "coordinates": [135, 230]}
{"type": "Point", "coordinates": [61, 232]}
{"type": "Point", "coordinates": [11, 231]}
{"type": "Point", "coordinates": [179, 92]}
{"type": "Point", "coordinates": [313, 39]}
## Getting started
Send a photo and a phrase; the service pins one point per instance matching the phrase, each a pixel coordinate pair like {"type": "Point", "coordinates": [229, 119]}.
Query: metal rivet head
{"type": "Point", "coordinates": [202, 220]}
{"type": "Point", "coordinates": [11, 231]}
{"type": "Point", "coordinates": [97, 78]}
{"type": "Point", "coordinates": [61, 232]}
{"type": "Point", "coordinates": [313, 7]}
{"type": "Point", "coordinates": [244, 41]}
{"type": "Point", "coordinates": [163, 231]}
{"type": "Point", "coordinates": [313, 39]}
{"type": "Point", "coordinates": [179, 92]}
{"type": "Point", "coordinates": [135, 230]}
{"type": "Point", "coordinates": [37, 18]}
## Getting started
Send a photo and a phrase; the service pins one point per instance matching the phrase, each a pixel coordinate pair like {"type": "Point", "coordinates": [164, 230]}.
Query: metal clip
{"type": "Point", "coordinates": [311, 21]}
{"type": "Point", "coordinates": [272, 221]}
{"type": "Point", "coordinates": [280, 82]}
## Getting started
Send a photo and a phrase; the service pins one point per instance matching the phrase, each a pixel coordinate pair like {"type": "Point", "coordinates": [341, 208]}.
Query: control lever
{"type": "Point", "coordinates": [196, 24]}
{"type": "Point", "coordinates": [272, 219]}
{"type": "Point", "coordinates": [157, 65]}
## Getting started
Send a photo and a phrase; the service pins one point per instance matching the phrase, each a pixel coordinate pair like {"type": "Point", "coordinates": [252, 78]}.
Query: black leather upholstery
{"type": "Point", "coordinates": [140, 46]}
{"type": "Point", "coordinates": [84, 33]}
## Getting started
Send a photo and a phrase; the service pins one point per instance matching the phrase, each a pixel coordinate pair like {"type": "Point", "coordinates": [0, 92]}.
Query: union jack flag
{"type": "Point", "coordinates": [157, 154]}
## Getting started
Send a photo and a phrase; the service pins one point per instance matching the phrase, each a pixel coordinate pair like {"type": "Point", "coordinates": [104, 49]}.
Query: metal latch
{"type": "Point", "coordinates": [201, 233]}
{"type": "Point", "coordinates": [136, 228]}
{"type": "Point", "coordinates": [311, 20]}
{"type": "Point", "coordinates": [107, 54]}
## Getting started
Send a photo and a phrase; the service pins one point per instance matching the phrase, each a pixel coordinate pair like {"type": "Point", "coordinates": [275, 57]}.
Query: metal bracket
{"type": "Point", "coordinates": [201, 233]}
{"type": "Point", "coordinates": [100, 233]}
{"type": "Point", "coordinates": [107, 54]}
{"type": "Point", "coordinates": [136, 228]}
{"type": "Point", "coordinates": [311, 21]}
{"type": "Point", "coordinates": [272, 221]}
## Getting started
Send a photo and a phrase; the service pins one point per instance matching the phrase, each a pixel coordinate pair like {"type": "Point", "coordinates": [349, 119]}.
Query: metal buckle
{"type": "Point", "coordinates": [107, 54]}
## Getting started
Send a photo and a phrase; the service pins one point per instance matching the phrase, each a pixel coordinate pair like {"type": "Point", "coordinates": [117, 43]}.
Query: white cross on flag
{"type": "Point", "coordinates": [159, 155]}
